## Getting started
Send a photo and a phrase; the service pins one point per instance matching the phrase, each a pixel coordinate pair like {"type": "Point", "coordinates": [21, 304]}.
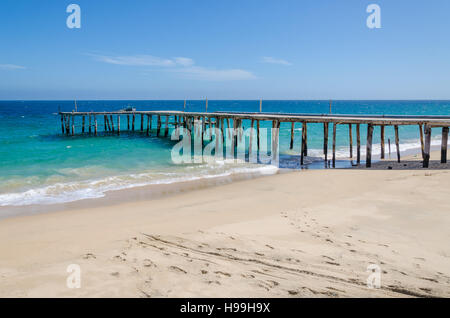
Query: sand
{"type": "Point", "coordinates": [310, 233]}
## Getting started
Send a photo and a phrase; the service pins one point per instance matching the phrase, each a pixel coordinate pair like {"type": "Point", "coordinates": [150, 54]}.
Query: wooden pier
{"type": "Point", "coordinates": [175, 119]}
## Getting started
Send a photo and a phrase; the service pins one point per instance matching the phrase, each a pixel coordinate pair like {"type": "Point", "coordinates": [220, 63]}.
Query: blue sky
{"type": "Point", "coordinates": [224, 49]}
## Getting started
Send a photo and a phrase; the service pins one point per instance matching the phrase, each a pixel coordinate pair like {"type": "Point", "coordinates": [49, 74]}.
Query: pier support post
{"type": "Point", "coordinates": [306, 140]}
{"type": "Point", "coordinates": [397, 142]}
{"type": "Point", "coordinates": [302, 149]}
{"type": "Point", "coordinates": [369, 146]}
{"type": "Point", "coordinates": [250, 146]}
{"type": "Point", "coordinates": [358, 144]}
{"type": "Point", "coordinates": [95, 128]}
{"type": "Point", "coordinates": [382, 141]}
{"type": "Point", "coordinates": [350, 139]}
{"type": "Point", "coordinates": [108, 123]}
{"type": "Point", "coordinates": [292, 135]}
{"type": "Point", "coordinates": [233, 138]}
{"type": "Point", "coordinates": [325, 142]}
{"type": "Point", "coordinates": [62, 124]}
{"type": "Point", "coordinates": [275, 139]}
{"type": "Point", "coordinates": [112, 122]}
{"type": "Point", "coordinates": [104, 121]}
{"type": "Point", "coordinates": [422, 146]}
{"type": "Point", "coordinates": [118, 124]}
{"type": "Point", "coordinates": [90, 123]}
{"type": "Point", "coordinates": [444, 144]}
{"type": "Point", "coordinates": [142, 122]}
{"type": "Point", "coordinates": [67, 124]}
{"type": "Point", "coordinates": [334, 145]}
{"type": "Point", "coordinates": [132, 123]}
{"type": "Point", "coordinates": [128, 122]}
{"type": "Point", "coordinates": [257, 135]}
{"type": "Point", "coordinates": [73, 125]}
{"type": "Point", "coordinates": [82, 125]}
{"type": "Point", "coordinates": [158, 128]}
{"type": "Point", "coordinates": [148, 125]}
{"type": "Point", "coordinates": [426, 159]}
{"type": "Point", "coordinates": [166, 132]}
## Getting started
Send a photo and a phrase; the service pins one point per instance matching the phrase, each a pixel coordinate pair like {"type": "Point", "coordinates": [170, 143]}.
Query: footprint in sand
{"type": "Point", "coordinates": [177, 269]}
{"type": "Point", "coordinates": [89, 256]}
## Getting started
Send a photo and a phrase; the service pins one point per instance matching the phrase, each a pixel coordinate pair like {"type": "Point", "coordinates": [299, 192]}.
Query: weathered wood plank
{"type": "Point", "coordinates": [158, 128]}
{"type": "Point", "coordinates": [350, 140]}
{"type": "Point", "coordinates": [422, 146]}
{"type": "Point", "coordinates": [325, 142]}
{"type": "Point", "coordinates": [292, 135]}
{"type": "Point", "coordinates": [334, 145]}
{"type": "Point", "coordinates": [166, 132]}
{"type": "Point", "coordinates": [382, 141]}
{"type": "Point", "coordinates": [358, 144]}
{"type": "Point", "coordinates": [397, 142]}
{"type": "Point", "coordinates": [426, 159]}
{"type": "Point", "coordinates": [369, 145]}
{"type": "Point", "coordinates": [112, 122]}
{"type": "Point", "coordinates": [444, 144]}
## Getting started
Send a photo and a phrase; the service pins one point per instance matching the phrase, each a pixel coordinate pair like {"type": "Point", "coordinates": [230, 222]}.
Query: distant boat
{"type": "Point", "coordinates": [129, 109]}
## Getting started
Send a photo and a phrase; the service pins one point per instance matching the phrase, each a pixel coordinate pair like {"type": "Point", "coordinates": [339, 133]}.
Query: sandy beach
{"type": "Point", "coordinates": [309, 233]}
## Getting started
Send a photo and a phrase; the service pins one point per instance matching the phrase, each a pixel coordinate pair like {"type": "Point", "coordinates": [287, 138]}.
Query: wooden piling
{"type": "Point", "coordinates": [142, 122]}
{"type": "Point", "coordinates": [257, 135]}
{"type": "Point", "coordinates": [358, 144]}
{"type": "Point", "coordinates": [369, 145]}
{"type": "Point", "coordinates": [233, 139]}
{"type": "Point", "coordinates": [104, 121]}
{"type": "Point", "coordinates": [132, 123]}
{"type": "Point", "coordinates": [382, 141]}
{"type": "Point", "coordinates": [118, 124]}
{"type": "Point", "coordinates": [158, 128]}
{"type": "Point", "coordinates": [107, 123]}
{"type": "Point", "coordinates": [112, 122]}
{"type": "Point", "coordinates": [128, 122]}
{"type": "Point", "coordinates": [444, 144]}
{"type": "Point", "coordinates": [302, 148]}
{"type": "Point", "coordinates": [275, 140]}
{"type": "Point", "coordinates": [166, 132]}
{"type": "Point", "coordinates": [350, 140]}
{"type": "Point", "coordinates": [334, 145]}
{"type": "Point", "coordinates": [82, 125]}
{"type": "Point", "coordinates": [250, 146]}
{"type": "Point", "coordinates": [90, 128]}
{"type": "Point", "coordinates": [62, 124]}
{"type": "Point", "coordinates": [397, 142]}
{"type": "Point", "coordinates": [95, 128]}
{"type": "Point", "coordinates": [73, 125]}
{"type": "Point", "coordinates": [148, 125]}
{"type": "Point", "coordinates": [292, 135]}
{"type": "Point", "coordinates": [306, 139]}
{"type": "Point", "coordinates": [427, 146]}
{"type": "Point", "coordinates": [325, 142]}
{"type": "Point", "coordinates": [422, 146]}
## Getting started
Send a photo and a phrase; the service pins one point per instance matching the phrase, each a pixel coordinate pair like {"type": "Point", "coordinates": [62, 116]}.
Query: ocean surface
{"type": "Point", "coordinates": [39, 165]}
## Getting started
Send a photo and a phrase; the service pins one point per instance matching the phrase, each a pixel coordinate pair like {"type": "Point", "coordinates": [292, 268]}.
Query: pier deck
{"type": "Point", "coordinates": [217, 120]}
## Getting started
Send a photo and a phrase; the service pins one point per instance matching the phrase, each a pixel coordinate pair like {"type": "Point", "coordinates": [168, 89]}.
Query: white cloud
{"type": "Point", "coordinates": [184, 61]}
{"type": "Point", "coordinates": [181, 65]}
{"type": "Point", "coordinates": [202, 73]}
{"type": "Point", "coordinates": [11, 67]}
{"type": "Point", "coordinates": [272, 60]}
{"type": "Point", "coordinates": [134, 60]}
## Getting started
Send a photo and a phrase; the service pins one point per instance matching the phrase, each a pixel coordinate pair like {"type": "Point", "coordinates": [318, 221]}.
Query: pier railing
{"type": "Point", "coordinates": [89, 124]}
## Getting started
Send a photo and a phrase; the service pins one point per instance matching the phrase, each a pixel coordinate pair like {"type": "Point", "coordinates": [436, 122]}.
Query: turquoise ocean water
{"type": "Point", "coordinates": [38, 165]}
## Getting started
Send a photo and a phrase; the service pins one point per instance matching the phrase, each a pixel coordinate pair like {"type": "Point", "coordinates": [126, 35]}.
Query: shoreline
{"type": "Point", "coordinates": [154, 191]}
{"type": "Point", "coordinates": [276, 236]}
